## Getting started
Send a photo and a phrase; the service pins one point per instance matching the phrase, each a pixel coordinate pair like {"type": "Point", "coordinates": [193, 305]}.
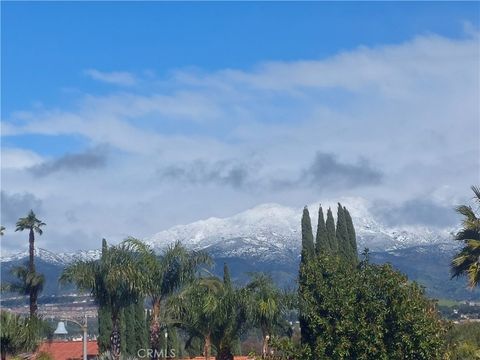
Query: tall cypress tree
{"type": "Point", "coordinates": [321, 241]}
{"type": "Point", "coordinates": [331, 236]}
{"type": "Point", "coordinates": [104, 328]}
{"type": "Point", "coordinates": [343, 239]}
{"type": "Point", "coordinates": [130, 341]}
{"type": "Point", "coordinates": [351, 236]}
{"type": "Point", "coordinates": [141, 330]}
{"type": "Point", "coordinates": [308, 252]}
{"type": "Point", "coordinates": [104, 317]}
{"type": "Point", "coordinates": [226, 276]}
{"type": "Point", "coordinates": [123, 332]}
{"type": "Point", "coordinates": [308, 247]}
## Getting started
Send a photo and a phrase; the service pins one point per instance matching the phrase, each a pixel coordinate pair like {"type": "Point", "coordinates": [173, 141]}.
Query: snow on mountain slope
{"type": "Point", "coordinates": [54, 258]}
{"type": "Point", "coordinates": [271, 232]}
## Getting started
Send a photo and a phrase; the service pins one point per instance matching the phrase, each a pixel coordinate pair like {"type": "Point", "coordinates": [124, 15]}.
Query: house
{"type": "Point", "coordinates": [68, 350]}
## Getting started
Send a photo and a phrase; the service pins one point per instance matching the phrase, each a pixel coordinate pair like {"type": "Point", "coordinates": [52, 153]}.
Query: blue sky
{"type": "Point", "coordinates": [243, 102]}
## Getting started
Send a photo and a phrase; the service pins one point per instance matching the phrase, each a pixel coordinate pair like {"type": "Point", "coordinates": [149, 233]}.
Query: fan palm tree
{"type": "Point", "coordinates": [467, 261]}
{"type": "Point", "coordinates": [28, 284]}
{"type": "Point", "coordinates": [33, 225]}
{"type": "Point", "coordinates": [268, 307]}
{"type": "Point", "coordinates": [114, 281]}
{"type": "Point", "coordinates": [17, 334]}
{"type": "Point", "coordinates": [164, 275]}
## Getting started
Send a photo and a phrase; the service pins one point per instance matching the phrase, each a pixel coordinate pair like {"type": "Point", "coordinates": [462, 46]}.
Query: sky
{"type": "Point", "coordinates": [123, 118]}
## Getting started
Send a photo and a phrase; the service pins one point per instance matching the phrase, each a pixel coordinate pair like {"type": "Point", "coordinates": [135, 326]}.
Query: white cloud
{"type": "Point", "coordinates": [116, 77]}
{"type": "Point", "coordinates": [14, 158]}
{"type": "Point", "coordinates": [410, 109]}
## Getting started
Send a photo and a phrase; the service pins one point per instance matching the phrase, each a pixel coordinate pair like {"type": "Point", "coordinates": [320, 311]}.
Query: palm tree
{"type": "Point", "coordinates": [2, 230]}
{"type": "Point", "coordinates": [114, 281]}
{"type": "Point", "coordinates": [268, 307]}
{"type": "Point", "coordinates": [164, 275]}
{"type": "Point", "coordinates": [28, 284]}
{"type": "Point", "coordinates": [467, 261]}
{"type": "Point", "coordinates": [212, 310]}
{"type": "Point", "coordinates": [34, 225]}
{"type": "Point", "coordinates": [17, 334]}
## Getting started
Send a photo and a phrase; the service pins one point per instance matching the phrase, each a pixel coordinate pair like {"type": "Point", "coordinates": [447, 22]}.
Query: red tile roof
{"type": "Point", "coordinates": [67, 350]}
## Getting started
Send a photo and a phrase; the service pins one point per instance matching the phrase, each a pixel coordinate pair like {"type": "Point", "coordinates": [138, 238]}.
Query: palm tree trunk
{"type": "Point", "coordinates": [115, 341]}
{"type": "Point", "coordinates": [155, 329]}
{"type": "Point", "coordinates": [31, 251]}
{"type": "Point", "coordinates": [225, 354]}
{"type": "Point", "coordinates": [206, 348]}
{"type": "Point", "coordinates": [31, 270]}
{"type": "Point", "coordinates": [33, 303]}
{"type": "Point", "coordinates": [264, 344]}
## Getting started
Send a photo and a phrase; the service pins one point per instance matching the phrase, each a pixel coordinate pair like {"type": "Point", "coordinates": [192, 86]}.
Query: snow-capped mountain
{"type": "Point", "coordinates": [268, 238]}
{"type": "Point", "coordinates": [272, 231]}
{"type": "Point", "coordinates": [50, 257]}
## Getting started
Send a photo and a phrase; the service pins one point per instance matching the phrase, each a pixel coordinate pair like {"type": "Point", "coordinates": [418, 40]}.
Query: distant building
{"type": "Point", "coordinates": [68, 350]}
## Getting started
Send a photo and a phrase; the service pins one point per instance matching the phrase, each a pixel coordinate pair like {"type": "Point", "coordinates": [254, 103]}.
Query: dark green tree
{"type": "Point", "coordinates": [141, 329]}
{"type": "Point", "coordinates": [130, 335]}
{"type": "Point", "coordinates": [351, 235]}
{"type": "Point", "coordinates": [123, 332]}
{"type": "Point", "coordinates": [104, 328]}
{"type": "Point", "coordinates": [341, 232]}
{"type": "Point", "coordinates": [308, 247]}
{"type": "Point", "coordinates": [227, 281]}
{"type": "Point", "coordinates": [321, 241]}
{"type": "Point", "coordinates": [366, 312]}
{"type": "Point", "coordinates": [330, 226]}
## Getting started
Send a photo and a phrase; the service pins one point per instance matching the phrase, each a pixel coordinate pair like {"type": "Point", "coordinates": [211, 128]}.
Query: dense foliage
{"type": "Point", "coordinates": [463, 341]}
{"type": "Point", "coordinates": [19, 334]}
{"type": "Point", "coordinates": [361, 311]}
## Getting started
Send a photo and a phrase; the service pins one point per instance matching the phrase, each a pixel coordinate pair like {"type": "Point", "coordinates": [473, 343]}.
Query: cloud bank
{"type": "Point", "coordinates": [397, 123]}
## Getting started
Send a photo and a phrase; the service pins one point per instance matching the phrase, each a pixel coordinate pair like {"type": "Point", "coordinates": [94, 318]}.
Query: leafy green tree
{"type": "Point", "coordinates": [308, 247]}
{"type": "Point", "coordinates": [467, 261]}
{"type": "Point", "coordinates": [341, 232]}
{"type": "Point", "coordinates": [18, 334]}
{"type": "Point", "coordinates": [367, 312]}
{"type": "Point", "coordinates": [321, 241]}
{"type": "Point", "coordinates": [330, 226]}
{"type": "Point", "coordinates": [33, 225]}
{"type": "Point", "coordinates": [115, 281]}
{"type": "Point", "coordinates": [165, 274]}
{"type": "Point", "coordinates": [213, 311]}
{"type": "Point", "coordinates": [268, 307]}
{"type": "Point", "coordinates": [352, 237]}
